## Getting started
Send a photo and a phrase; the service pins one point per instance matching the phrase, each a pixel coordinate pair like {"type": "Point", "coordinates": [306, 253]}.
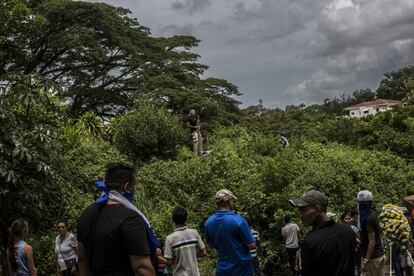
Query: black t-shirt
{"type": "Point", "coordinates": [371, 225]}
{"type": "Point", "coordinates": [193, 120]}
{"type": "Point", "coordinates": [328, 250]}
{"type": "Point", "coordinates": [119, 232]}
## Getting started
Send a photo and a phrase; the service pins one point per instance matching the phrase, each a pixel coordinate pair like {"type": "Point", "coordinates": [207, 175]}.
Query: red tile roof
{"type": "Point", "coordinates": [377, 102]}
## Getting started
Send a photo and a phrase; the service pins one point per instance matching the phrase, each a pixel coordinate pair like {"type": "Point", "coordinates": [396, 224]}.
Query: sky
{"type": "Point", "coordinates": [289, 51]}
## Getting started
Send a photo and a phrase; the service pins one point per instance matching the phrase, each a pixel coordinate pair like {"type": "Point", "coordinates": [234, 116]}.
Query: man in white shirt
{"type": "Point", "coordinates": [290, 233]}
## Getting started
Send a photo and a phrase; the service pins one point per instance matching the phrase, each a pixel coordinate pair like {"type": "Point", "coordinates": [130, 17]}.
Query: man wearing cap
{"type": "Point", "coordinates": [373, 258]}
{"type": "Point", "coordinates": [230, 235]}
{"type": "Point", "coordinates": [328, 249]}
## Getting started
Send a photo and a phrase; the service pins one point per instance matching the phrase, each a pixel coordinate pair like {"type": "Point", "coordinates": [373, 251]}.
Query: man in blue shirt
{"type": "Point", "coordinates": [230, 235]}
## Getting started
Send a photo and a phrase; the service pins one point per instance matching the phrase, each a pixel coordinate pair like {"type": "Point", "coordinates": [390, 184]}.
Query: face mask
{"type": "Point", "coordinates": [129, 196]}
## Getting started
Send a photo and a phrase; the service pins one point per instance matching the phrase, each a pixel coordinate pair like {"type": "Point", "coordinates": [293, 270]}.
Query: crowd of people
{"type": "Point", "coordinates": [114, 237]}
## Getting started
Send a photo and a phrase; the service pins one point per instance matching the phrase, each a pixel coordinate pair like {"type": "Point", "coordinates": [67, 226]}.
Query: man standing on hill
{"type": "Point", "coordinates": [230, 234]}
{"type": "Point", "coordinates": [193, 123]}
{"type": "Point", "coordinates": [290, 234]}
{"type": "Point", "coordinates": [183, 246]}
{"type": "Point", "coordinates": [328, 249]}
{"type": "Point", "coordinates": [373, 258]}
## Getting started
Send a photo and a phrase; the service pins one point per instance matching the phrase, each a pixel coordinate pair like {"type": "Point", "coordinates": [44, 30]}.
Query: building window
{"type": "Point", "coordinates": [377, 109]}
{"type": "Point", "coordinates": [352, 113]}
{"type": "Point", "coordinates": [366, 111]}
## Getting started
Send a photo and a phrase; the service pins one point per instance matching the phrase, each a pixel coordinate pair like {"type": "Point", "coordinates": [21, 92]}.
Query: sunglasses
{"type": "Point", "coordinates": [61, 227]}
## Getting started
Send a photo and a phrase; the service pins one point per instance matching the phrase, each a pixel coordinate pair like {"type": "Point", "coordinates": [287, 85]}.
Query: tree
{"type": "Point", "coordinates": [29, 117]}
{"type": "Point", "coordinates": [150, 131]}
{"type": "Point", "coordinates": [407, 90]}
{"type": "Point", "coordinates": [105, 60]}
{"type": "Point", "coordinates": [390, 86]}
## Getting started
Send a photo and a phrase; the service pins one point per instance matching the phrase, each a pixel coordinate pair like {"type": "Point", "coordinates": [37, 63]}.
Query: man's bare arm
{"type": "Point", "coordinates": [142, 265]}
{"type": "Point", "coordinates": [83, 261]}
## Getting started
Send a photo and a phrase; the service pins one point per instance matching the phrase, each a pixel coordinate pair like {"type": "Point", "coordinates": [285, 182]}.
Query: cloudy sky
{"type": "Point", "coordinates": [289, 51]}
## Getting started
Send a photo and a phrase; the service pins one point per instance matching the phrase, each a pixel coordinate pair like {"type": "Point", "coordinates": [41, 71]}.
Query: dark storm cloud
{"type": "Point", "coordinates": [289, 51]}
{"type": "Point", "coordinates": [360, 40]}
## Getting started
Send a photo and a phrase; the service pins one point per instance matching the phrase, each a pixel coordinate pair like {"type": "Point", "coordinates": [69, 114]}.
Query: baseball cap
{"type": "Point", "coordinates": [224, 195]}
{"type": "Point", "coordinates": [364, 195]}
{"type": "Point", "coordinates": [330, 214]}
{"type": "Point", "coordinates": [309, 198]}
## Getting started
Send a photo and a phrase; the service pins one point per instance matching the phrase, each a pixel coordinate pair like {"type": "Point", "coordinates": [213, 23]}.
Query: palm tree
{"type": "Point", "coordinates": [407, 90]}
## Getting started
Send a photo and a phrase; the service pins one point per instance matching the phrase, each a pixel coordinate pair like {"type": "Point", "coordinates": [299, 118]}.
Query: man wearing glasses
{"type": "Point", "coordinates": [328, 249]}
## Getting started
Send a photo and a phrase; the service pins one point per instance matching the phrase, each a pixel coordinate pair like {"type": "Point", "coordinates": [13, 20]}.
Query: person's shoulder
{"type": "Point", "coordinates": [343, 227]}
{"type": "Point", "coordinates": [193, 232]}
{"type": "Point", "coordinates": [28, 248]}
{"type": "Point", "coordinates": [372, 218]}
{"type": "Point", "coordinates": [170, 237]}
{"type": "Point", "coordinates": [87, 213]}
{"type": "Point", "coordinates": [211, 218]}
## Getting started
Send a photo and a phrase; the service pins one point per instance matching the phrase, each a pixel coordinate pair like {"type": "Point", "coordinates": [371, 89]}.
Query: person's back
{"type": "Point", "coordinates": [113, 234]}
{"type": "Point", "coordinates": [118, 233]}
{"type": "Point", "coordinates": [290, 235]}
{"type": "Point", "coordinates": [20, 254]}
{"type": "Point", "coordinates": [182, 246]}
{"type": "Point", "coordinates": [229, 233]}
{"type": "Point", "coordinates": [328, 250]}
{"type": "Point", "coordinates": [21, 260]}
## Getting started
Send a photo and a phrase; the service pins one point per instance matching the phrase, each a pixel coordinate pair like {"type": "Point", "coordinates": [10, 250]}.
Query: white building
{"type": "Point", "coordinates": [371, 108]}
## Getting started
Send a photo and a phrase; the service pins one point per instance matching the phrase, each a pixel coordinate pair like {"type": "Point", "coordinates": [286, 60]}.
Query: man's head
{"type": "Point", "coordinates": [364, 197]}
{"type": "Point", "coordinates": [409, 203]}
{"type": "Point", "coordinates": [192, 112]}
{"type": "Point", "coordinates": [179, 215]}
{"type": "Point", "coordinates": [287, 218]}
{"type": "Point", "coordinates": [311, 206]}
{"type": "Point", "coordinates": [225, 199]}
{"type": "Point", "coordinates": [120, 176]}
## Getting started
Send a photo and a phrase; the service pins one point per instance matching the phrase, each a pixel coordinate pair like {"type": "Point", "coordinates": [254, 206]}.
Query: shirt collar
{"type": "Point", "coordinates": [181, 228]}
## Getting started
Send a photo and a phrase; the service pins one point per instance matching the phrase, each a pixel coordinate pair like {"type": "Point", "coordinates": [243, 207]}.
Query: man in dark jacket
{"type": "Point", "coordinates": [373, 258]}
{"type": "Point", "coordinates": [328, 249]}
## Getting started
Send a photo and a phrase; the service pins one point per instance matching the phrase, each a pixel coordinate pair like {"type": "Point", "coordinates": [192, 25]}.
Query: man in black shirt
{"type": "Point", "coordinates": [113, 238]}
{"type": "Point", "coordinates": [328, 249]}
{"type": "Point", "coordinates": [373, 258]}
{"type": "Point", "coordinates": [193, 123]}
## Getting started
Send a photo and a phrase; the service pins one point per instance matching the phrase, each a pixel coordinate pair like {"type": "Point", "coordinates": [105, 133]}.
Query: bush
{"type": "Point", "coordinates": [149, 132]}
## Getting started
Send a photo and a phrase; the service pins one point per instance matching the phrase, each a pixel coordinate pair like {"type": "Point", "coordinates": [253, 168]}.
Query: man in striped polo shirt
{"type": "Point", "coordinates": [183, 246]}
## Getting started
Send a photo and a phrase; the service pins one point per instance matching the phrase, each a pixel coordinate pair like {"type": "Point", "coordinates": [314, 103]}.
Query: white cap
{"type": "Point", "coordinates": [365, 195]}
{"type": "Point", "coordinates": [330, 214]}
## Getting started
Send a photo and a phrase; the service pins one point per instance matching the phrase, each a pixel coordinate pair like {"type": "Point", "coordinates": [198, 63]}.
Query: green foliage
{"type": "Point", "coordinates": [29, 116]}
{"type": "Point", "coordinates": [390, 86]}
{"type": "Point", "coordinates": [264, 181]}
{"type": "Point", "coordinates": [106, 60]}
{"type": "Point", "coordinates": [148, 132]}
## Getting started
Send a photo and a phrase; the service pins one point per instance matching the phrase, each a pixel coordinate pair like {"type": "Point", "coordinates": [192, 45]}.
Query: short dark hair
{"type": "Point", "coordinates": [179, 215]}
{"type": "Point", "coordinates": [287, 218]}
{"type": "Point", "coordinates": [117, 174]}
{"type": "Point", "coordinates": [60, 221]}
